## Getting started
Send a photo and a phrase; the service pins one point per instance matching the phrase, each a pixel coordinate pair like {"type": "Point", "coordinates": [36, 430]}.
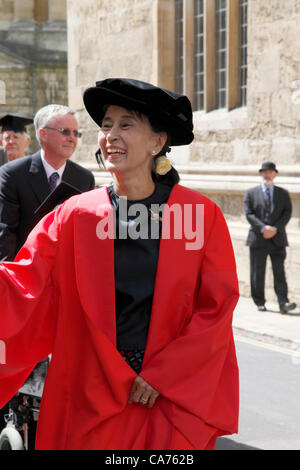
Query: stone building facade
{"type": "Point", "coordinates": [246, 108]}
{"type": "Point", "coordinates": [33, 56]}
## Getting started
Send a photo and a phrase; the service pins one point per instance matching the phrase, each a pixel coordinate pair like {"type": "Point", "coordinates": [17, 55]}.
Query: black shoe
{"type": "Point", "coordinates": [287, 306]}
{"type": "Point", "coordinates": [261, 308]}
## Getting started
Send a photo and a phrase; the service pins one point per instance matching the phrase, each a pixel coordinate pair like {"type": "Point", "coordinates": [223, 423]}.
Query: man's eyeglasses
{"type": "Point", "coordinates": [66, 132]}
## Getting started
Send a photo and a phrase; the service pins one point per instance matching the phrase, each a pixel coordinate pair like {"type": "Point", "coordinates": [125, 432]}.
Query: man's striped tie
{"type": "Point", "coordinates": [53, 181]}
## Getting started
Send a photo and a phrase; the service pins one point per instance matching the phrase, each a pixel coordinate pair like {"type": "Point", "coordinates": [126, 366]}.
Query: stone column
{"type": "Point", "coordinates": [164, 39]}
{"type": "Point", "coordinates": [22, 29]}
{"type": "Point", "coordinates": [57, 11]}
{"type": "Point", "coordinates": [53, 34]}
{"type": "Point", "coordinates": [41, 10]}
{"type": "Point", "coordinates": [6, 15]}
{"type": "Point", "coordinates": [24, 10]}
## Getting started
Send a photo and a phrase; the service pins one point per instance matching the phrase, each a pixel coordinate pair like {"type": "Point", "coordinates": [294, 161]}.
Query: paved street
{"type": "Point", "coordinates": [268, 351]}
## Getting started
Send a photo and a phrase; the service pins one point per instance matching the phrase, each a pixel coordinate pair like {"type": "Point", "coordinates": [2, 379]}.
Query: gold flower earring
{"type": "Point", "coordinates": [162, 165]}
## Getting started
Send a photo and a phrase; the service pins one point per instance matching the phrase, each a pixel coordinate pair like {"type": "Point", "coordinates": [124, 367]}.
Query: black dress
{"type": "Point", "coordinates": [136, 249]}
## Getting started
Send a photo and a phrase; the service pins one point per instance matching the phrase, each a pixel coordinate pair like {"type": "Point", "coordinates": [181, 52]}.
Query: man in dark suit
{"type": "Point", "coordinates": [3, 158]}
{"type": "Point", "coordinates": [268, 209]}
{"type": "Point", "coordinates": [26, 182]}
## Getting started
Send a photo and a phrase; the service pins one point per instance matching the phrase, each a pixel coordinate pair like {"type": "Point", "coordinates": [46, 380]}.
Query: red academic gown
{"type": "Point", "coordinates": [58, 297]}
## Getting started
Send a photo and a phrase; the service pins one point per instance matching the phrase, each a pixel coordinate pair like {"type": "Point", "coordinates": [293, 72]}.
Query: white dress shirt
{"type": "Point", "coordinates": [49, 169]}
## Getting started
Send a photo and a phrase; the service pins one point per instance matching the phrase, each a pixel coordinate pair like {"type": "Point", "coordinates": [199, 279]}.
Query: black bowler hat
{"type": "Point", "coordinates": [14, 123]}
{"type": "Point", "coordinates": [172, 111]}
{"type": "Point", "coordinates": [268, 166]}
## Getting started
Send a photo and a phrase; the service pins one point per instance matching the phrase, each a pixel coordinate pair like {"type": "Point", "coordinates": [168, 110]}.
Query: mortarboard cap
{"type": "Point", "coordinates": [14, 123]}
{"type": "Point", "coordinates": [62, 192]}
{"type": "Point", "coordinates": [172, 111]}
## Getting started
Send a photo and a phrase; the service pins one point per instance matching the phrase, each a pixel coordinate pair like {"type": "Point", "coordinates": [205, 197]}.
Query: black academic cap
{"type": "Point", "coordinates": [60, 194]}
{"type": "Point", "coordinates": [172, 111]}
{"type": "Point", "coordinates": [14, 123]}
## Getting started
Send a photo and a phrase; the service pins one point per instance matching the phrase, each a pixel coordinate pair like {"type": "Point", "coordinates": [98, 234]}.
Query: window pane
{"type": "Point", "coordinates": [179, 46]}
{"type": "Point", "coordinates": [199, 42]}
{"type": "Point", "coordinates": [243, 52]}
{"type": "Point", "coordinates": [223, 20]}
{"type": "Point", "coordinates": [221, 51]}
{"type": "Point", "coordinates": [223, 60]}
{"type": "Point", "coordinates": [199, 55]}
{"type": "Point", "coordinates": [222, 82]}
{"type": "Point", "coordinates": [199, 8]}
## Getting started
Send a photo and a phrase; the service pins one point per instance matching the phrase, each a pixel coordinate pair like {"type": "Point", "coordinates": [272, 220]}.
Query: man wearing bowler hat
{"type": "Point", "coordinates": [268, 209]}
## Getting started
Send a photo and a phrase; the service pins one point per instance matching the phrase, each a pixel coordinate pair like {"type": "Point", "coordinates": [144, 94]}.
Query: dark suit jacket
{"type": "Point", "coordinates": [23, 187]}
{"type": "Point", "coordinates": [3, 158]}
{"type": "Point", "coordinates": [254, 207]}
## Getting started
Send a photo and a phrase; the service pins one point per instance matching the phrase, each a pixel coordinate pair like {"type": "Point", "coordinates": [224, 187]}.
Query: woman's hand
{"type": "Point", "coordinates": [142, 392]}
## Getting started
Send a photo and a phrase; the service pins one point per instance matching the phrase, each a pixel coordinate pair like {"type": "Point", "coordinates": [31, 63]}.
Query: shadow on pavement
{"type": "Point", "coordinates": [223, 443]}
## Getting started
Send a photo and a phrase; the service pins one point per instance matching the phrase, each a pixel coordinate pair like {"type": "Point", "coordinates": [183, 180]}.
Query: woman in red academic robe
{"type": "Point", "coordinates": [131, 288]}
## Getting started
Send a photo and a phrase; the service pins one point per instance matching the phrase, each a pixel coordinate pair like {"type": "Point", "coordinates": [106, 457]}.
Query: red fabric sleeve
{"type": "Point", "coordinates": [197, 372]}
{"type": "Point", "coordinates": [28, 307]}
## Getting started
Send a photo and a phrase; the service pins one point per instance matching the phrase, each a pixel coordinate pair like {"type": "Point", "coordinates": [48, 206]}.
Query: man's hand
{"type": "Point", "coordinates": [269, 232]}
{"type": "Point", "coordinates": [142, 392]}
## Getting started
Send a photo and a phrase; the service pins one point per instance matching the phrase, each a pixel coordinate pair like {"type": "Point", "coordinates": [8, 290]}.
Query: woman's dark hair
{"type": "Point", "coordinates": [99, 159]}
{"type": "Point", "coordinates": [172, 177]}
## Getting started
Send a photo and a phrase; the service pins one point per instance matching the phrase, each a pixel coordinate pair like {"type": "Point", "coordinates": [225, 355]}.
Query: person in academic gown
{"type": "Point", "coordinates": [14, 137]}
{"type": "Point", "coordinates": [131, 288]}
{"type": "Point", "coordinates": [14, 141]}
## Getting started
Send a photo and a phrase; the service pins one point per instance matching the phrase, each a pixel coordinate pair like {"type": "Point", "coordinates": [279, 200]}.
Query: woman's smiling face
{"type": "Point", "coordinates": [127, 141]}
